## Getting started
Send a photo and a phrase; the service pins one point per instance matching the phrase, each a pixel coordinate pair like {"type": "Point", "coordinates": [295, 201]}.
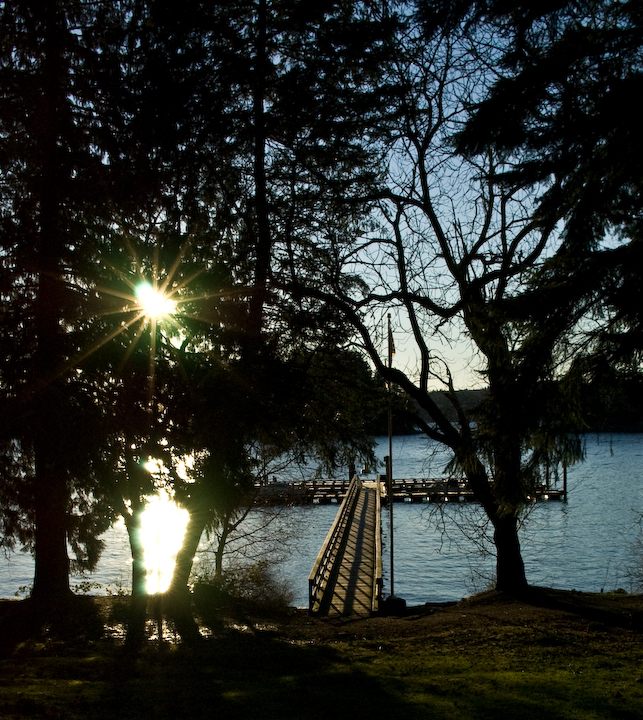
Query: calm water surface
{"type": "Point", "coordinates": [587, 543]}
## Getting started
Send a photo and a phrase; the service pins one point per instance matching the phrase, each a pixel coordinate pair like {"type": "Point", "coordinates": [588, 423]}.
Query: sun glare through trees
{"type": "Point", "coordinates": [162, 528]}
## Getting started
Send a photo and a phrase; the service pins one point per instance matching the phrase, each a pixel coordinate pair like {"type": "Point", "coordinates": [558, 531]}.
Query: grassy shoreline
{"type": "Point", "coordinates": [553, 655]}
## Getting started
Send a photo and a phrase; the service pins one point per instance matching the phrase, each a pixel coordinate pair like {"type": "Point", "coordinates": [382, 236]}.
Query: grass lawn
{"type": "Point", "coordinates": [561, 655]}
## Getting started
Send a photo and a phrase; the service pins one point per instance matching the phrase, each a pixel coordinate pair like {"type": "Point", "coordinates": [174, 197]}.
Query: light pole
{"type": "Point", "coordinates": [393, 605]}
{"type": "Point", "coordinates": [389, 464]}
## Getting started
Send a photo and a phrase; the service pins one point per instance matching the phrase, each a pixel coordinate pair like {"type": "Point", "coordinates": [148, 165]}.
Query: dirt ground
{"type": "Point", "coordinates": [480, 614]}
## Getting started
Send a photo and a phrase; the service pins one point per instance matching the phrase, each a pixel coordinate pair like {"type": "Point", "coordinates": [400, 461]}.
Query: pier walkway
{"type": "Point", "coordinates": [347, 576]}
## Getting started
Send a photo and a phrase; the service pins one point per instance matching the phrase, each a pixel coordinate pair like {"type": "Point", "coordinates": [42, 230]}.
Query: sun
{"type": "Point", "coordinates": [155, 303]}
{"type": "Point", "coordinates": [163, 526]}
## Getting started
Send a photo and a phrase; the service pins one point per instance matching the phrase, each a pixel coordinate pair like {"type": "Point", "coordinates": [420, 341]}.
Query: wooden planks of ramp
{"type": "Point", "coordinates": [351, 584]}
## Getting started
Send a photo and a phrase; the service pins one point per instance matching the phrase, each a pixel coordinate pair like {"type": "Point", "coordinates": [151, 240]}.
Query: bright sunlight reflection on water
{"type": "Point", "coordinates": [162, 529]}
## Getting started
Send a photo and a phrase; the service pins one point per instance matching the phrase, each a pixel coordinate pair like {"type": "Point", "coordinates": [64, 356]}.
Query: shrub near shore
{"type": "Point", "coordinates": [555, 654]}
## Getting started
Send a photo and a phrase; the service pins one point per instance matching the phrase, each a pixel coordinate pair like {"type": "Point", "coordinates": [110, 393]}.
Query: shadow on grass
{"type": "Point", "coordinates": [57, 661]}
{"type": "Point", "coordinates": [243, 676]}
{"type": "Point", "coordinates": [242, 673]}
{"type": "Point", "coordinates": [252, 677]}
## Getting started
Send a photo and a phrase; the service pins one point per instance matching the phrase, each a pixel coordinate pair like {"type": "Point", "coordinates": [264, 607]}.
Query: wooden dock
{"type": "Point", "coordinates": [347, 576]}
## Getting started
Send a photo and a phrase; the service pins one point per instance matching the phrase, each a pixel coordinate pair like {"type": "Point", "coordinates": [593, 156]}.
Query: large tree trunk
{"type": "Point", "coordinates": [509, 498]}
{"type": "Point", "coordinates": [510, 569]}
{"type": "Point", "coordinates": [51, 577]}
{"type": "Point", "coordinates": [51, 492]}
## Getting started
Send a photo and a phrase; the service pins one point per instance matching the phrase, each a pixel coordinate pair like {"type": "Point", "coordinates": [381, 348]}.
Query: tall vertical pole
{"type": "Point", "coordinates": [389, 468]}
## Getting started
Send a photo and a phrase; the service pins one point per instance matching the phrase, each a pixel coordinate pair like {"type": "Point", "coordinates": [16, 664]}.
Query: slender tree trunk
{"type": "Point", "coordinates": [185, 557]}
{"type": "Point", "coordinates": [138, 601]}
{"type": "Point", "coordinates": [218, 555]}
{"type": "Point", "coordinates": [178, 598]}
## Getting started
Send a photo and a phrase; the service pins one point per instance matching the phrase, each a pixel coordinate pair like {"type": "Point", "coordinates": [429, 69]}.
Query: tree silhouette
{"type": "Point", "coordinates": [452, 260]}
{"type": "Point", "coordinates": [560, 108]}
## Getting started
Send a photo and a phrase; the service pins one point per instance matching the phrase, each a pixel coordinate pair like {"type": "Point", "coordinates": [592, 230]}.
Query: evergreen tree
{"type": "Point", "coordinates": [53, 197]}
{"type": "Point", "coordinates": [262, 144]}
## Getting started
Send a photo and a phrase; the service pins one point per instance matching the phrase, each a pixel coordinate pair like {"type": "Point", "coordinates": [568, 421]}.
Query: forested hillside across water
{"type": "Point", "coordinates": [607, 406]}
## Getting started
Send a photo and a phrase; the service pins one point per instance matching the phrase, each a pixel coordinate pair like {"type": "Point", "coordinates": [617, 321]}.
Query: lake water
{"type": "Point", "coordinates": [587, 543]}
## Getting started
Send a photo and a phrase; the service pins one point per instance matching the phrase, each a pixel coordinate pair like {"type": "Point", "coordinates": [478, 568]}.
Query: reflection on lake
{"type": "Point", "coordinates": [585, 544]}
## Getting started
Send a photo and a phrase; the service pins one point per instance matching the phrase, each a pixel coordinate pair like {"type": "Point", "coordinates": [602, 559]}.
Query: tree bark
{"type": "Point", "coordinates": [51, 576]}
{"type": "Point", "coordinates": [218, 555]}
{"type": "Point", "coordinates": [510, 568]}
{"type": "Point", "coordinates": [51, 491]}
{"type": "Point", "coordinates": [199, 518]}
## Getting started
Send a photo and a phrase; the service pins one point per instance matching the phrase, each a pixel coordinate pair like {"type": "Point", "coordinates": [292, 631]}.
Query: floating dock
{"type": "Point", "coordinates": [417, 490]}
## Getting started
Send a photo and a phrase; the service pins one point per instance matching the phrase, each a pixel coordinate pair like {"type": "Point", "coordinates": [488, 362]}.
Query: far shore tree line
{"type": "Point", "coordinates": [613, 404]}
{"type": "Point", "coordinates": [287, 175]}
